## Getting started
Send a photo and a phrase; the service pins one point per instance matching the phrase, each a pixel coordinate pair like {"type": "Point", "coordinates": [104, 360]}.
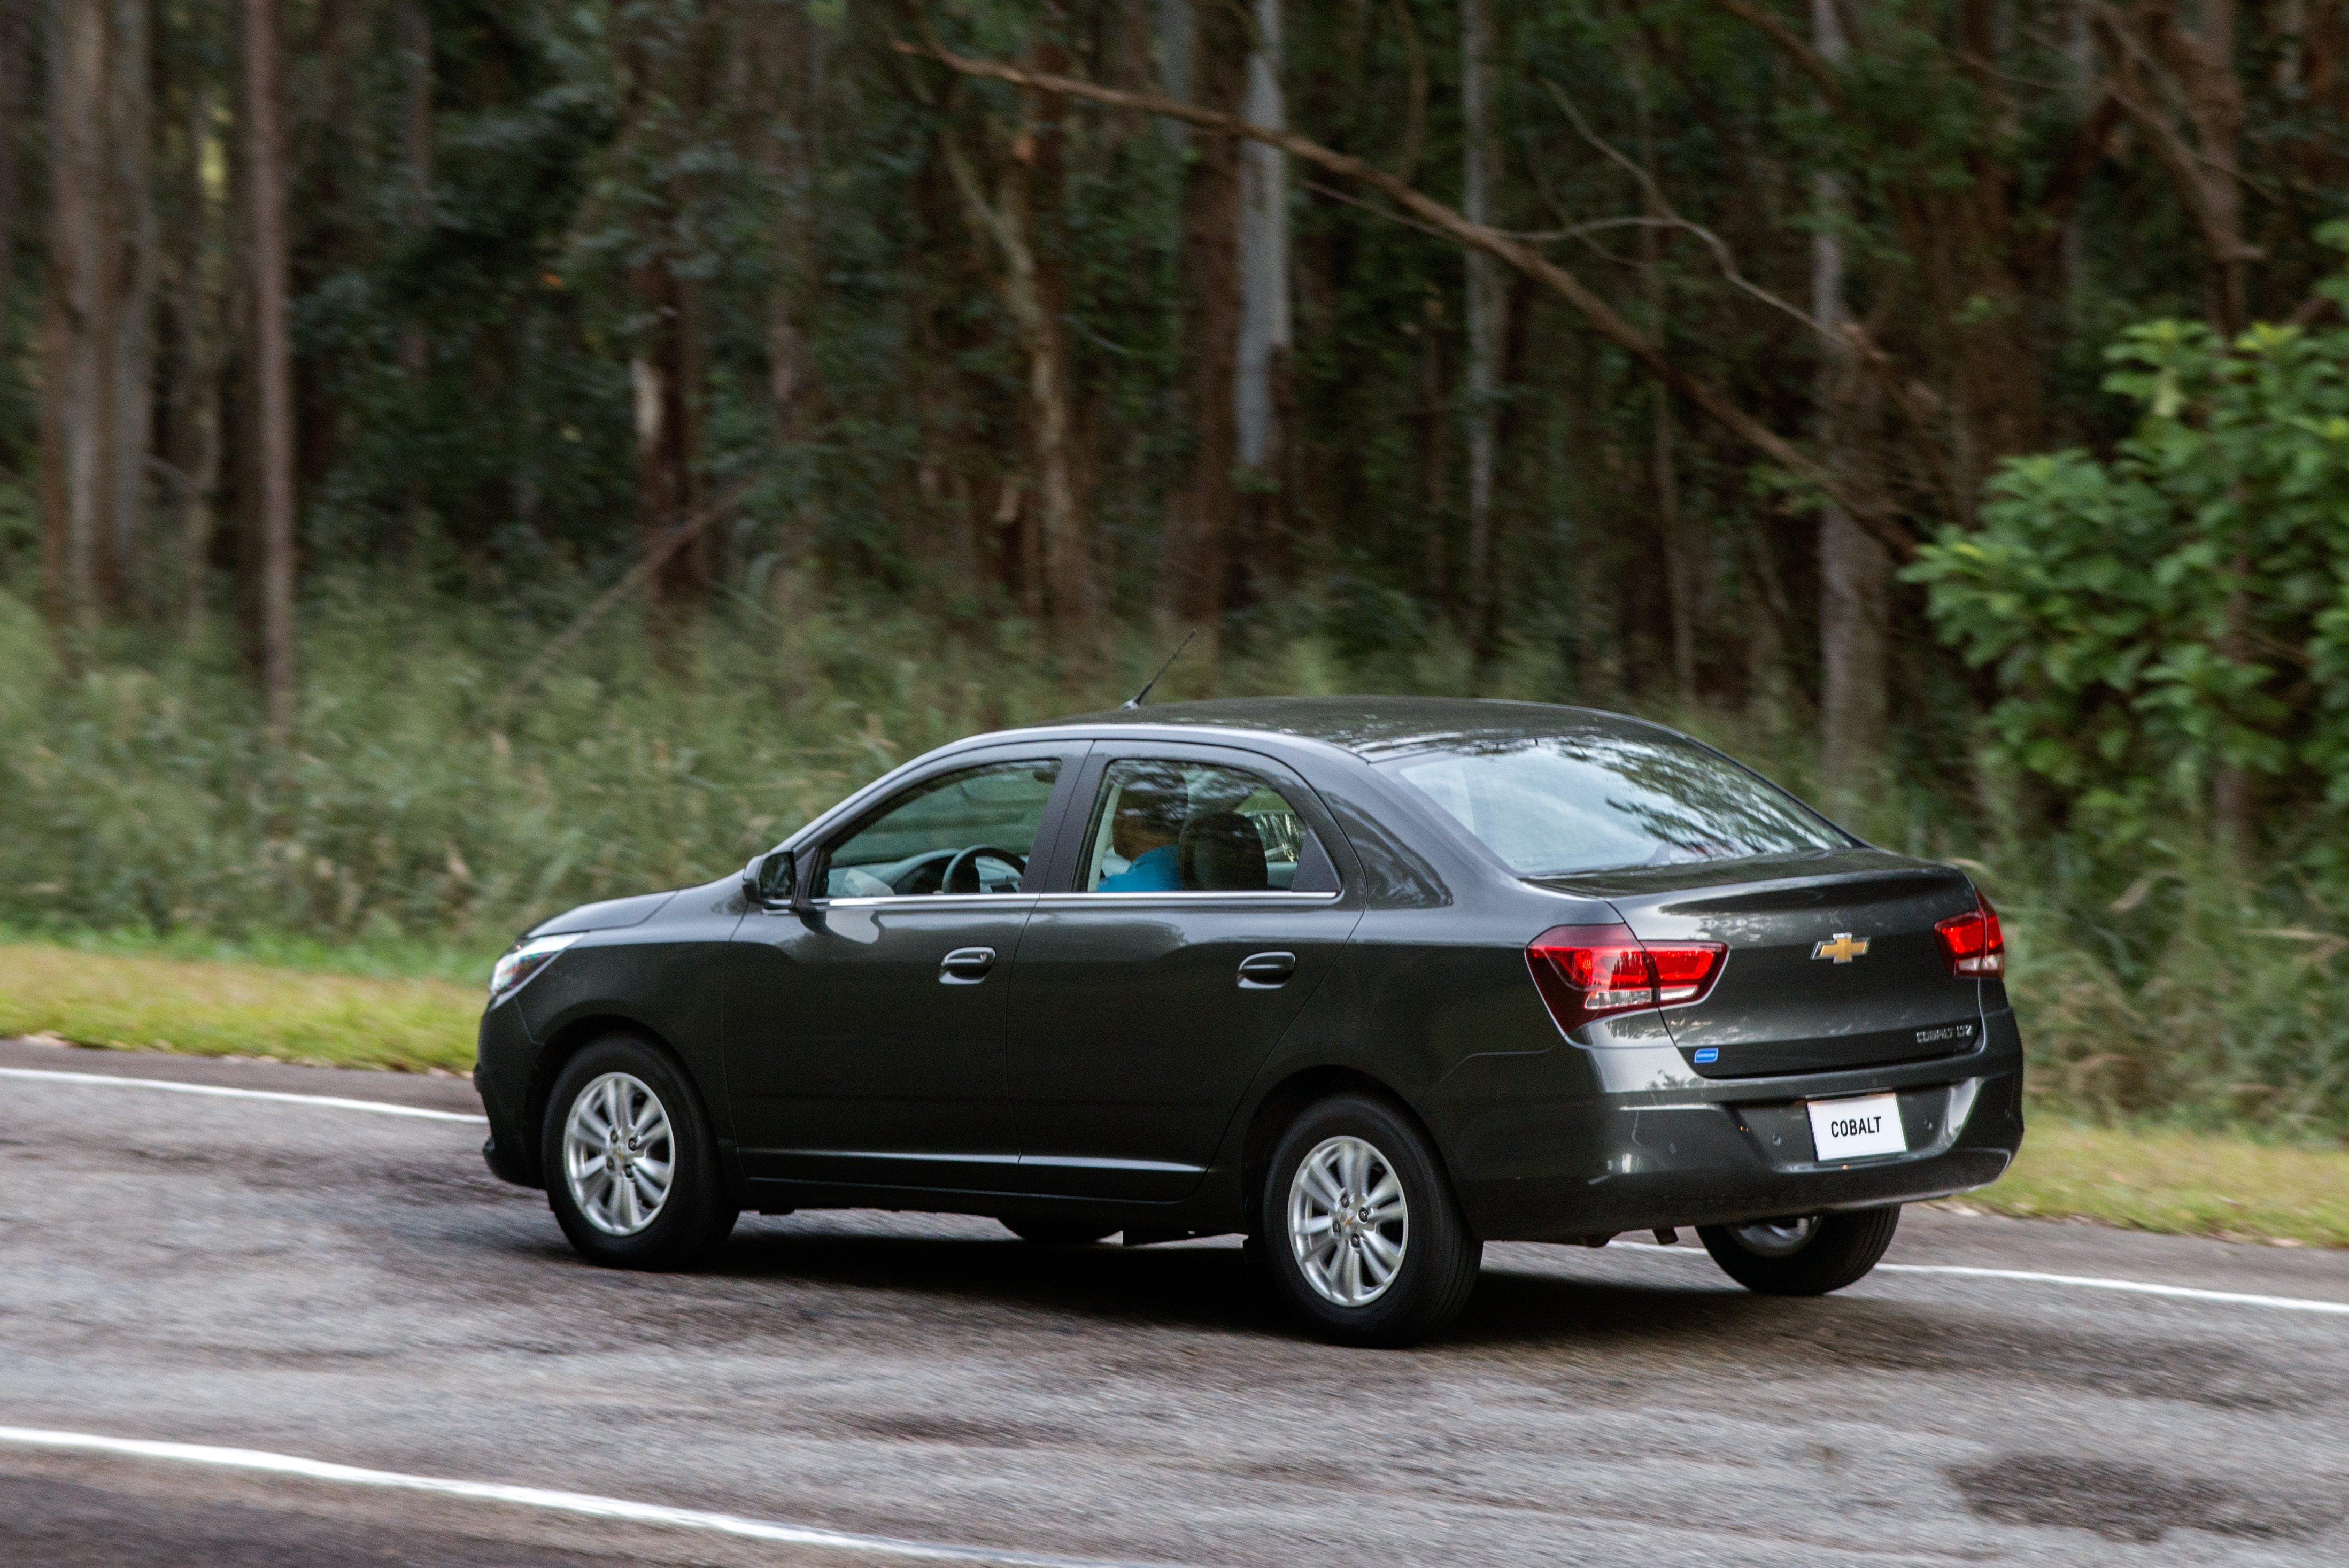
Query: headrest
{"type": "Point", "coordinates": [1221, 853]}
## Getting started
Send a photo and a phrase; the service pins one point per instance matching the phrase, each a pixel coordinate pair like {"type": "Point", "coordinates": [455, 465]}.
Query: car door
{"type": "Point", "coordinates": [1200, 909]}
{"type": "Point", "coordinates": [864, 1030]}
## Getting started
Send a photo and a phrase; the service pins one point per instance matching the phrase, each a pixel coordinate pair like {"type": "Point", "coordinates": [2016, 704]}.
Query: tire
{"type": "Point", "coordinates": [1056, 1232]}
{"type": "Point", "coordinates": [606, 1218]}
{"type": "Point", "coordinates": [1422, 1243]}
{"type": "Point", "coordinates": [1774, 1258]}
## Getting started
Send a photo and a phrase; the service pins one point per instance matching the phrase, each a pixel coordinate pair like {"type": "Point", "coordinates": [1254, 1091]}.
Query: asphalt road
{"type": "Point", "coordinates": [353, 1288]}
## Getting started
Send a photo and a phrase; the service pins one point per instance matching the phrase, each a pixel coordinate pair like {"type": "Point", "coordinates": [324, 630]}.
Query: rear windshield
{"type": "Point", "coordinates": [1604, 802]}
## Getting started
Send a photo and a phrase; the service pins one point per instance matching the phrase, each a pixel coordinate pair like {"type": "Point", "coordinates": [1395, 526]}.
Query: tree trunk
{"type": "Point", "coordinates": [131, 354]}
{"type": "Point", "coordinates": [1034, 286]}
{"type": "Point", "coordinates": [1260, 391]}
{"type": "Point", "coordinates": [662, 384]}
{"type": "Point", "coordinates": [199, 351]}
{"type": "Point", "coordinates": [1199, 517]}
{"type": "Point", "coordinates": [272, 363]}
{"type": "Point", "coordinates": [76, 380]}
{"type": "Point", "coordinates": [1484, 303]}
{"type": "Point", "coordinates": [1855, 572]}
{"type": "Point", "coordinates": [784, 103]}
{"type": "Point", "coordinates": [1680, 568]}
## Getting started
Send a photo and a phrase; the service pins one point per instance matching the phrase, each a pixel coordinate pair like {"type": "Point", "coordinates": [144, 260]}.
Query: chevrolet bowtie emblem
{"type": "Point", "coordinates": [1843, 949]}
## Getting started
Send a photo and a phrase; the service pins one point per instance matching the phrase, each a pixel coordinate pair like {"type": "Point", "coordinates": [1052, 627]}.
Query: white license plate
{"type": "Point", "coordinates": [1842, 1130]}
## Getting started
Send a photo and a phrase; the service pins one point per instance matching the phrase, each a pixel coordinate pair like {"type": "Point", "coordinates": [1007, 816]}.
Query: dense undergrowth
{"type": "Point", "coordinates": [427, 810]}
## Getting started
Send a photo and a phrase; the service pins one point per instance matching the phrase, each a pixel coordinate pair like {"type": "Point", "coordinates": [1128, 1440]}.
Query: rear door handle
{"type": "Point", "coordinates": [1262, 972]}
{"type": "Point", "coordinates": [965, 966]}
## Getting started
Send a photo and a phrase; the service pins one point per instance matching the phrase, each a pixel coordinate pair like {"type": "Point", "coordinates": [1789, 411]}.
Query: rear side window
{"type": "Point", "coordinates": [1167, 826]}
{"type": "Point", "coordinates": [1596, 802]}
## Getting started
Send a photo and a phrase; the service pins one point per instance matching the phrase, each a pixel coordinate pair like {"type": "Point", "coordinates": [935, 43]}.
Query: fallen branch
{"type": "Point", "coordinates": [1602, 317]}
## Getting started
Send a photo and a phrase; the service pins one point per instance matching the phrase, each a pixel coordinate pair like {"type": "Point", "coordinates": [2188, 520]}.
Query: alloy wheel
{"type": "Point", "coordinates": [1349, 1225]}
{"type": "Point", "coordinates": [619, 1155]}
{"type": "Point", "coordinates": [1776, 1238]}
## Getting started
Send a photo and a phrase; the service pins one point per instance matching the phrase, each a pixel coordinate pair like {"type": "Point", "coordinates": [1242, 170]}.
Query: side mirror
{"type": "Point", "coordinates": [772, 879]}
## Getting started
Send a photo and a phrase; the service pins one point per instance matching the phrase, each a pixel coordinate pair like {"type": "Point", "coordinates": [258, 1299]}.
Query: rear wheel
{"type": "Point", "coordinates": [631, 1169]}
{"type": "Point", "coordinates": [1359, 1230]}
{"type": "Point", "coordinates": [1055, 1232]}
{"type": "Point", "coordinates": [1807, 1255]}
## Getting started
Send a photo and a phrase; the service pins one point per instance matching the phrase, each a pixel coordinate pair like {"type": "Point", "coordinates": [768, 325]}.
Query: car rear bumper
{"type": "Point", "coordinates": [1565, 1168]}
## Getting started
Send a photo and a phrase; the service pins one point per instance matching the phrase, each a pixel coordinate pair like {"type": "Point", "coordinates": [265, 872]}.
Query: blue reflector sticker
{"type": "Point", "coordinates": [1708, 1053]}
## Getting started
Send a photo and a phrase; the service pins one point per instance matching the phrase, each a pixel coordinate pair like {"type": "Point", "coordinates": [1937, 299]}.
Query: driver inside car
{"type": "Point", "coordinates": [1146, 833]}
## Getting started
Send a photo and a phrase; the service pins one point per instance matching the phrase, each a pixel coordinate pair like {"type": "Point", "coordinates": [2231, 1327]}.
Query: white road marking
{"type": "Point", "coordinates": [2025, 1276]}
{"type": "Point", "coordinates": [382, 1108]}
{"type": "Point", "coordinates": [2082, 1281]}
{"type": "Point", "coordinates": [572, 1503]}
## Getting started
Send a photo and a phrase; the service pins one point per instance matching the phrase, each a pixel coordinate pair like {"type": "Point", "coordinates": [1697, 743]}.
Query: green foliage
{"type": "Point", "coordinates": [2182, 607]}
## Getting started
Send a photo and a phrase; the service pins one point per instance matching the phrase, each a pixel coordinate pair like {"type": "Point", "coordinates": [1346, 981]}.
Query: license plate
{"type": "Point", "coordinates": [1843, 1129]}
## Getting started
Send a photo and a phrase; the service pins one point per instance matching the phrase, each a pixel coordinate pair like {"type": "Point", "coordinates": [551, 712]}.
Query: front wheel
{"type": "Point", "coordinates": [1359, 1228]}
{"type": "Point", "coordinates": [1807, 1255]}
{"type": "Point", "coordinates": [631, 1169]}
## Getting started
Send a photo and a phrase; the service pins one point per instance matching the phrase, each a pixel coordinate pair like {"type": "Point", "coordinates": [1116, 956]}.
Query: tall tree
{"type": "Point", "coordinates": [77, 381]}
{"type": "Point", "coordinates": [1200, 510]}
{"type": "Point", "coordinates": [1484, 303]}
{"type": "Point", "coordinates": [1855, 573]}
{"type": "Point", "coordinates": [272, 422]}
{"type": "Point", "coordinates": [1021, 218]}
{"type": "Point", "coordinates": [1261, 369]}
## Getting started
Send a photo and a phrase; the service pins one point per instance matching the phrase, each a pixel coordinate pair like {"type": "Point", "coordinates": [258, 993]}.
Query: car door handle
{"type": "Point", "coordinates": [965, 966]}
{"type": "Point", "coordinates": [1262, 972]}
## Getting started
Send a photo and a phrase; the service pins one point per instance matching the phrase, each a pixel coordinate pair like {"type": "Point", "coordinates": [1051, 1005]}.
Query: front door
{"type": "Point", "coordinates": [1204, 910]}
{"type": "Point", "coordinates": [865, 1032]}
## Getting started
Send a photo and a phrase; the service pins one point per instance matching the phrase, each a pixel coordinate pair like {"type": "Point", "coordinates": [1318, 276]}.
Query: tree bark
{"type": "Point", "coordinates": [272, 363]}
{"type": "Point", "coordinates": [784, 108]}
{"type": "Point", "coordinates": [1679, 574]}
{"type": "Point", "coordinates": [1483, 307]}
{"type": "Point", "coordinates": [1198, 536]}
{"type": "Point", "coordinates": [1034, 286]}
{"type": "Point", "coordinates": [1855, 573]}
{"type": "Point", "coordinates": [130, 353]}
{"type": "Point", "coordinates": [76, 380]}
{"type": "Point", "coordinates": [1260, 373]}
{"type": "Point", "coordinates": [199, 353]}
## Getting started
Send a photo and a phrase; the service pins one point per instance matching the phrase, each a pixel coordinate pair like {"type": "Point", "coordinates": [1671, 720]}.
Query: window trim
{"type": "Point", "coordinates": [1069, 760]}
{"type": "Point", "coordinates": [1270, 771]}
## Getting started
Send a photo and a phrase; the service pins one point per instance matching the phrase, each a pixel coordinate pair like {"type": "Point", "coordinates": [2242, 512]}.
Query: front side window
{"type": "Point", "coordinates": [1167, 826]}
{"type": "Point", "coordinates": [968, 832]}
{"type": "Point", "coordinates": [1606, 801]}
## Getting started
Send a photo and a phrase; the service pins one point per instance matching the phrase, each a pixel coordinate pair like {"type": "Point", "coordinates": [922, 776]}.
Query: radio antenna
{"type": "Point", "coordinates": [1135, 700]}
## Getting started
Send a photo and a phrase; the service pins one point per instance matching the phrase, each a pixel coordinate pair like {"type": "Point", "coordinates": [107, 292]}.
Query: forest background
{"type": "Point", "coordinates": [459, 458]}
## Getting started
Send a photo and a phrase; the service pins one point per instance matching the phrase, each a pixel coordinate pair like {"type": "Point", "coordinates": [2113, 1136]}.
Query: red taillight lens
{"type": "Point", "coordinates": [1586, 971]}
{"type": "Point", "coordinates": [1973, 944]}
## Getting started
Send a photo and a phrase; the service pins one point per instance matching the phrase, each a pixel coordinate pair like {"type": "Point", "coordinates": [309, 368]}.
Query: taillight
{"type": "Point", "coordinates": [1973, 944]}
{"type": "Point", "coordinates": [1588, 972]}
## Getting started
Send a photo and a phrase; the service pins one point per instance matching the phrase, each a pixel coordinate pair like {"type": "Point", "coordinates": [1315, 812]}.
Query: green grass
{"type": "Point", "coordinates": [110, 994]}
{"type": "Point", "coordinates": [2184, 1183]}
{"type": "Point", "coordinates": [208, 1008]}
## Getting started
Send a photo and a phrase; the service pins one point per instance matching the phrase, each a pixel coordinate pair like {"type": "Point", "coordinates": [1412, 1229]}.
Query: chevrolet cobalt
{"type": "Point", "coordinates": [1369, 980]}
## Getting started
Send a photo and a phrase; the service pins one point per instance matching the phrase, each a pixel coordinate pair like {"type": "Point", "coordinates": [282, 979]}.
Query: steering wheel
{"type": "Point", "coordinates": [967, 859]}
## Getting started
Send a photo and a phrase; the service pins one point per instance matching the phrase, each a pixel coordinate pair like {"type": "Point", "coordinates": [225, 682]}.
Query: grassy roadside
{"type": "Point", "coordinates": [210, 1008]}
{"type": "Point", "coordinates": [2146, 1179]}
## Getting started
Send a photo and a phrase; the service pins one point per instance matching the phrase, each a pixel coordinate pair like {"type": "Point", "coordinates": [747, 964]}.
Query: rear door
{"type": "Point", "coordinates": [1201, 910]}
{"type": "Point", "coordinates": [1832, 963]}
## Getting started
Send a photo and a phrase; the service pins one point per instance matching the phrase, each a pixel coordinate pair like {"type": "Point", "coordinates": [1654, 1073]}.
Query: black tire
{"type": "Point", "coordinates": [1439, 1258]}
{"type": "Point", "coordinates": [694, 1217]}
{"type": "Point", "coordinates": [1056, 1232]}
{"type": "Point", "coordinates": [1840, 1249]}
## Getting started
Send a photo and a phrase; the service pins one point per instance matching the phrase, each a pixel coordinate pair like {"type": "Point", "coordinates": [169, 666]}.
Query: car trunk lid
{"type": "Point", "coordinates": [1832, 961]}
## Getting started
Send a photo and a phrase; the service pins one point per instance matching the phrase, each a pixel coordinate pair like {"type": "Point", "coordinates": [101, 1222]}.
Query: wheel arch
{"type": "Point", "coordinates": [1283, 1103]}
{"type": "Point", "coordinates": [574, 1036]}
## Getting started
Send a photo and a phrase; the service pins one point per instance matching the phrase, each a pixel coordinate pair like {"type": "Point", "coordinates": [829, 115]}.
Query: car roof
{"type": "Point", "coordinates": [1374, 727]}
